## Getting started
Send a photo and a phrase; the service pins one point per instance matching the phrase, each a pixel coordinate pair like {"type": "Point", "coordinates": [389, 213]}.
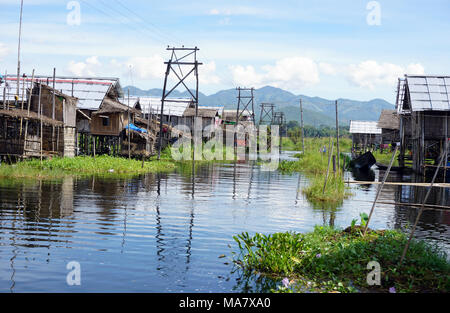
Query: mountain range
{"type": "Point", "coordinates": [316, 111]}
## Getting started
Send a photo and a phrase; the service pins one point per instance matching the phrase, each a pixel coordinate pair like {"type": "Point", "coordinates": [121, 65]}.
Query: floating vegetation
{"type": "Point", "coordinates": [82, 166]}
{"type": "Point", "coordinates": [335, 260]}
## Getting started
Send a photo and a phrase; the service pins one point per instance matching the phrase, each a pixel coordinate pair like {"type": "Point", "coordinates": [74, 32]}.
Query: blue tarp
{"type": "Point", "coordinates": [134, 127]}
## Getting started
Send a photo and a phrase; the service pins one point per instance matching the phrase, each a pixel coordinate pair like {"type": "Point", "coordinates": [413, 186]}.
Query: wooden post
{"type": "Point", "coordinates": [330, 152]}
{"type": "Point", "coordinates": [40, 114]}
{"type": "Point", "coordinates": [93, 145]}
{"type": "Point", "coordinates": [53, 109]}
{"type": "Point", "coordinates": [301, 123]}
{"type": "Point", "coordinates": [128, 130]}
{"type": "Point", "coordinates": [379, 189]}
{"type": "Point", "coordinates": [446, 147]}
{"type": "Point", "coordinates": [21, 107]}
{"type": "Point", "coordinates": [148, 134]}
{"type": "Point", "coordinates": [422, 208]}
{"type": "Point", "coordinates": [4, 92]}
{"type": "Point", "coordinates": [28, 114]}
{"type": "Point", "coordinates": [334, 165]}
{"type": "Point", "coordinates": [337, 135]}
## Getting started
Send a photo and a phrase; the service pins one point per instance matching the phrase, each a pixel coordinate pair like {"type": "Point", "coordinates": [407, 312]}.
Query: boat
{"type": "Point", "coordinates": [364, 162]}
{"type": "Point", "coordinates": [384, 167]}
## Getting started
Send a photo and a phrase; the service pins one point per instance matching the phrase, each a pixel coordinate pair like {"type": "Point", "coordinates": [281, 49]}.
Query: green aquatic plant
{"type": "Point", "coordinates": [82, 166]}
{"type": "Point", "coordinates": [329, 259]}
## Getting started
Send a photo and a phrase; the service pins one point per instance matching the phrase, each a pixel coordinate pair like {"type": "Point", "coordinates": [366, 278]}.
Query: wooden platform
{"type": "Point", "coordinates": [441, 185]}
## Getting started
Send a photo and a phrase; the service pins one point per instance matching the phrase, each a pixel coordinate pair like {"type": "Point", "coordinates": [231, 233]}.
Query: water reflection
{"type": "Point", "coordinates": [165, 232]}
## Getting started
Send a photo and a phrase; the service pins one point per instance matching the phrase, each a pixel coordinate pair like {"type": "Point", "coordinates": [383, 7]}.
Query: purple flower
{"type": "Point", "coordinates": [392, 290]}
{"type": "Point", "coordinates": [285, 282]}
{"type": "Point", "coordinates": [318, 255]}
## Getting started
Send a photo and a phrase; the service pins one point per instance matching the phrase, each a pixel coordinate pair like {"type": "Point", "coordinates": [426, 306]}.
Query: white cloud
{"type": "Point", "coordinates": [214, 12]}
{"type": "Point", "coordinates": [371, 73]}
{"type": "Point", "coordinates": [243, 10]}
{"type": "Point", "coordinates": [291, 73]}
{"type": "Point", "coordinates": [327, 68]}
{"type": "Point", "coordinates": [207, 74]}
{"type": "Point", "coordinates": [146, 67]}
{"type": "Point", "coordinates": [89, 67]}
{"type": "Point", "coordinates": [3, 50]}
{"type": "Point", "coordinates": [153, 67]}
{"type": "Point", "coordinates": [417, 69]}
{"type": "Point", "coordinates": [225, 21]}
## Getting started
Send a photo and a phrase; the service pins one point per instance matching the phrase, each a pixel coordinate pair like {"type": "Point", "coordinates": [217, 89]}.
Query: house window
{"type": "Point", "coordinates": [105, 120]}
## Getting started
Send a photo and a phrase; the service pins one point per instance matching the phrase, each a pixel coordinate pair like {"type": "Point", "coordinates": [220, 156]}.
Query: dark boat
{"type": "Point", "coordinates": [384, 167]}
{"type": "Point", "coordinates": [364, 162]}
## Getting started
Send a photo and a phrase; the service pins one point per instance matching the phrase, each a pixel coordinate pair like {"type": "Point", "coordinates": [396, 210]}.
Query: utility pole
{"type": "Point", "coordinates": [337, 134]}
{"type": "Point", "coordinates": [18, 50]}
{"type": "Point", "coordinates": [301, 124]}
{"type": "Point", "coordinates": [245, 100]}
{"type": "Point", "coordinates": [243, 105]}
{"type": "Point", "coordinates": [129, 129]}
{"type": "Point", "coordinates": [266, 116]}
{"type": "Point", "coordinates": [174, 65]}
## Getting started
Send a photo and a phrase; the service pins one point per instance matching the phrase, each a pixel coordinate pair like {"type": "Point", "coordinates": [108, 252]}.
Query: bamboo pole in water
{"type": "Point", "coordinates": [337, 136]}
{"type": "Point", "coordinates": [331, 148]}
{"type": "Point", "coordinates": [379, 189]}
{"type": "Point", "coordinates": [422, 208]}
{"type": "Point", "coordinates": [128, 130]}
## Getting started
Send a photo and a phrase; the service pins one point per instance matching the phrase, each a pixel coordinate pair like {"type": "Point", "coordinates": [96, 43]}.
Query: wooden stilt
{"type": "Point", "coordinates": [379, 189]}
{"type": "Point", "coordinates": [422, 209]}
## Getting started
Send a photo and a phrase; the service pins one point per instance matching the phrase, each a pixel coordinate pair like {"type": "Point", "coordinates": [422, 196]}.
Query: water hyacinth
{"type": "Point", "coordinates": [318, 255]}
{"type": "Point", "coordinates": [285, 282]}
{"type": "Point", "coordinates": [392, 290]}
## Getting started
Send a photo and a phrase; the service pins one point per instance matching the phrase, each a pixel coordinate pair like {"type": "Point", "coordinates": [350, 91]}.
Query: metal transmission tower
{"type": "Point", "coordinates": [279, 119]}
{"type": "Point", "coordinates": [266, 117]}
{"type": "Point", "coordinates": [187, 59]}
{"type": "Point", "coordinates": [243, 103]}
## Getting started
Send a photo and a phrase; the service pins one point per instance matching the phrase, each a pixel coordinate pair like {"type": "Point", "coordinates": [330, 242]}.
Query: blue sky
{"type": "Point", "coordinates": [318, 48]}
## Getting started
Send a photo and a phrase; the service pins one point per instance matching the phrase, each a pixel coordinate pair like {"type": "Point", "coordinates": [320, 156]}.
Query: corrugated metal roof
{"type": "Point", "coordinates": [364, 127]}
{"type": "Point", "coordinates": [89, 91]}
{"type": "Point", "coordinates": [428, 93]}
{"type": "Point", "coordinates": [400, 95]}
{"type": "Point", "coordinates": [170, 107]}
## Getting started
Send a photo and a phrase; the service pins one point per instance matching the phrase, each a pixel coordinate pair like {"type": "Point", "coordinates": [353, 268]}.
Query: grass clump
{"type": "Point", "coordinates": [385, 157]}
{"type": "Point", "coordinates": [334, 260]}
{"type": "Point", "coordinates": [335, 191]}
{"type": "Point", "coordinates": [314, 164]}
{"type": "Point", "coordinates": [82, 165]}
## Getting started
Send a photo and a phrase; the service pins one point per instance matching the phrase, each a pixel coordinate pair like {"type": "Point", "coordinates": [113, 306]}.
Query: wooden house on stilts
{"type": "Point", "coordinates": [41, 125]}
{"type": "Point", "coordinates": [424, 108]}
{"type": "Point", "coordinates": [390, 128]}
{"type": "Point", "coordinates": [366, 136]}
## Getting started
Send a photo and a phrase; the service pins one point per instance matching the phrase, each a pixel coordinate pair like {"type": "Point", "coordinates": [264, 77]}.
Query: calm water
{"type": "Point", "coordinates": [165, 233]}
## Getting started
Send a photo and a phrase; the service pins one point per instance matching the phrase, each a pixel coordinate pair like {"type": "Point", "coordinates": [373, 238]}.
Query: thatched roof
{"type": "Point", "coordinates": [30, 116]}
{"type": "Point", "coordinates": [109, 106]}
{"type": "Point", "coordinates": [389, 120]}
{"type": "Point", "coordinates": [230, 115]}
{"type": "Point", "coordinates": [210, 113]}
